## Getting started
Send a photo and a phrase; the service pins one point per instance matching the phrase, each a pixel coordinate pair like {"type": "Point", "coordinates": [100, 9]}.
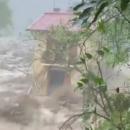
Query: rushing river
{"type": "Point", "coordinates": [18, 109]}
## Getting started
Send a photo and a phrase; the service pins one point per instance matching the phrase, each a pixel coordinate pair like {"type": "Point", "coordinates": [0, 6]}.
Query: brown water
{"type": "Point", "coordinates": [18, 109]}
{"type": "Point", "coordinates": [21, 111]}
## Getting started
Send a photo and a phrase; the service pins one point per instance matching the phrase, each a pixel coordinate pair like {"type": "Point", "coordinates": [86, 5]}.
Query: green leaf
{"type": "Point", "coordinates": [82, 60]}
{"type": "Point", "coordinates": [93, 1]}
{"type": "Point", "coordinates": [77, 12]}
{"type": "Point", "coordinates": [124, 4]}
{"type": "Point", "coordinates": [84, 80]}
{"type": "Point", "coordinates": [85, 12]}
{"type": "Point", "coordinates": [78, 6]}
{"type": "Point", "coordinates": [99, 81]}
{"type": "Point", "coordinates": [80, 84]}
{"type": "Point", "coordinates": [101, 84]}
{"type": "Point", "coordinates": [101, 26]}
{"type": "Point", "coordinates": [88, 55]}
{"type": "Point", "coordinates": [106, 49]}
{"type": "Point", "coordinates": [101, 8]}
{"type": "Point", "coordinates": [100, 52]}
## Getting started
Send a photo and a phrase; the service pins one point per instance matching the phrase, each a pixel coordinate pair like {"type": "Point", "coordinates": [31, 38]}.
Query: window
{"type": "Point", "coordinates": [56, 78]}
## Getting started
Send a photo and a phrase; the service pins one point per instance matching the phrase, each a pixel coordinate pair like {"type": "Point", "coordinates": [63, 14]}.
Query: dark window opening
{"type": "Point", "coordinates": [56, 79]}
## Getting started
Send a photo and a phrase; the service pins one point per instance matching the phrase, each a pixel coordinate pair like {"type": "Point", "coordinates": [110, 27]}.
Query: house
{"type": "Point", "coordinates": [50, 19]}
{"type": "Point", "coordinates": [49, 75]}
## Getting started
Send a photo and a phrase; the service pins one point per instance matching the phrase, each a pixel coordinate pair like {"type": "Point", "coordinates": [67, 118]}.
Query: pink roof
{"type": "Point", "coordinates": [51, 19]}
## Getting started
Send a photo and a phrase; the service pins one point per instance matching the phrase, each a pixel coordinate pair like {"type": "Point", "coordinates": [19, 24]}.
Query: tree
{"type": "Point", "coordinates": [109, 20]}
{"type": "Point", "coordinates": [5, 15]}
{"type": "Point", "coordinates": [93, 11]}
{"type": "Point", "coordinates": [63, 41]}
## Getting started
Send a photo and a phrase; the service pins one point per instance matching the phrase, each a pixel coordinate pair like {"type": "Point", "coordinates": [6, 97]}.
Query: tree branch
{"type": "Point", "coordinates": [125, 18]}
{"type": "Point", "coordinates": [72, 118]}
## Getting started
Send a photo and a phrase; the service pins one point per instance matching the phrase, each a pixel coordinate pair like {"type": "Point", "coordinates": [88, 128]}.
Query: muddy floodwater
{"type": "Point", "coordinates": [19, 110]}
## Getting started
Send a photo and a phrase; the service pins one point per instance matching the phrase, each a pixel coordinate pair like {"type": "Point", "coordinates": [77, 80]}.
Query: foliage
{"type": "Point", "coordinates": [5, 14]}
{"type": "Point", "coordinates": [99, 101]}
{"type": "Point", "coordinates": [65, 36]}
{"type": "Point", "coordinates": [63, 41]}
{"type": "Point", "coordinates": [92, 11]}
{"type": "Point", "coordinates": [120, 115]}
{"type": "Point", "coordinates": [109, 20]}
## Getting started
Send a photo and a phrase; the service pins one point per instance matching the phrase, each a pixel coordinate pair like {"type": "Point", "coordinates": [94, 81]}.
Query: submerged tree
{"type": "Point", "coordinates": [5, 15]}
